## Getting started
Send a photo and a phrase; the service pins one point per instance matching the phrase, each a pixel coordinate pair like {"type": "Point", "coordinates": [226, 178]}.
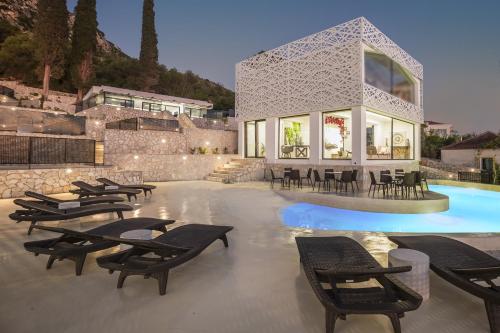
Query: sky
{"type": "Point", "coordinates": [458, 42]}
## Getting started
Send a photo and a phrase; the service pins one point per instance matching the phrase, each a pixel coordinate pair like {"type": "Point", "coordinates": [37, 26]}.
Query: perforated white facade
{"type": "Point", "coordinates": [320, 73]}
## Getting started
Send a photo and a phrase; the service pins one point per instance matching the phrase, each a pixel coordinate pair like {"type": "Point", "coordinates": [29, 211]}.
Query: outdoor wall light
{"type": "Point", "coordinates": [207, 143]}
{"type": "Point", "coordinates": [3, 125]}
{"type": "Point", "coordinates": [118, 109]}
{"type": "Point", "coordinates": [97, 122]}
{"type": "Point", "coordinates": [450, 176]}
{"type": "Point", "coordinates": [218, 157]}
{"type": "Point", "coordinates": [472, 170]}
{"type": "Point", "coordinates": [13, 108]}
{"type": "Point", "coordinates": [184, 158]}
{"type": "Point", "coordinates": [136, 157]}
{"type": "Point", "coordinates": [163, 140]}
{"type": "Point", "coordinates": [68, 171]}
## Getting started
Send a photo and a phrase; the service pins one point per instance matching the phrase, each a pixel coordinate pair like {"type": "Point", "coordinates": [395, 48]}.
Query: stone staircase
{"type": "Point", "coordinates": [238, 170]}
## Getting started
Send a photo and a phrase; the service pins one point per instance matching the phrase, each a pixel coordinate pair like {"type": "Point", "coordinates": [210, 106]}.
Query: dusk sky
{"type": "Point", "coordinates": [458, 42]}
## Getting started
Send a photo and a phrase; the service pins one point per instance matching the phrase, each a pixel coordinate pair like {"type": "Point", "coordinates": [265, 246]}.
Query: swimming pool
{"type": "Point", "coordinates": [471, 211]}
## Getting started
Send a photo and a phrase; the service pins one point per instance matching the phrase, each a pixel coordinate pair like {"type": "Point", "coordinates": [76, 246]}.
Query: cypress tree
{"type": "Point", "coordinates": [149, 47]}
{"type": "Point", "coordinates": [51, 38]}
{"type": "Point", "coordinates": [83, 46]}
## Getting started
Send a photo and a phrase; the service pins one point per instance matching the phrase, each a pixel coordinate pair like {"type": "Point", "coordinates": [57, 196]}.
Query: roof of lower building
{"type": "Point", "coordinates": [476, 142]}
{"type": "Point", "coordinates": [147, 95]}
{"type": "Point", "coordinates": [431, 122]}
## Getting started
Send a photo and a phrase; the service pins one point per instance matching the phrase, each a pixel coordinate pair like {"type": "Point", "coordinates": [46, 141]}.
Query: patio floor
{"type": "Point", "coordinates": [256, 285]}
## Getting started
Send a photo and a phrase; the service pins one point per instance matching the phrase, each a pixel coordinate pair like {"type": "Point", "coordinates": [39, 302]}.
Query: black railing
{"type": "Point", "coordinates": [151, 124]}
{"type": "Point", "coordinates": [484, 176]}
{"type": "Point", "coordinates": [41, 150]}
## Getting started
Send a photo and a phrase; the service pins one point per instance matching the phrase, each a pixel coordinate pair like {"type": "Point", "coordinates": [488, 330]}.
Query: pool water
{"type": "Point", "coordinates": [471, 211]}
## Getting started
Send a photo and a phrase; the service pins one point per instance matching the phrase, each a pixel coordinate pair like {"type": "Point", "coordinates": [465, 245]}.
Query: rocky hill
{"type": "Point", "coordinates": [20, 14]}
{"type": "Point", "coordinates": [112, 67]}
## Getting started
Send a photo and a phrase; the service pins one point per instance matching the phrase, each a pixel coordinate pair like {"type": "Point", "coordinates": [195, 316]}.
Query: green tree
{"type": "Point", "coordinates": [17, 58]}
{"type": "Point", "coordinates": [149, 47]}
{"type": "Point", "coordinates": [6, 30]}
{"type": "Point", "coordinates": [51, 37]}
{"type": "Point", "coordinates": [83, 46]}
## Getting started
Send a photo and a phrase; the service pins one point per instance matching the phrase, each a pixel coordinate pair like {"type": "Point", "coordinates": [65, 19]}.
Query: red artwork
{"type": "Point", "coordinates": [335, 121]}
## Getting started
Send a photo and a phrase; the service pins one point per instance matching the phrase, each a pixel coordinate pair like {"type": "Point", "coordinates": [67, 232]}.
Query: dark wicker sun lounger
{"type": "Point", "coordinates": [75, 245]}
{"type": "Point", "coordinates": [171, 249]}
{"type": "Point", "coordinates": [334, 260]}
{"type": "Point", "coordinates": [463, 266]}
{"type": "Point", "coordinates": [87, 190]}
{"type": "Point", "coordinates": [37, 212]}
{"type": "Point", "coordinates": [83, 201]}
{"type": "Point", "coordinates": [144, 187]}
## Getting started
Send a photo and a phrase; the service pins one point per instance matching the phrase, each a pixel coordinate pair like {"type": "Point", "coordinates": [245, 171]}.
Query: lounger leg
{"type": "Point", "coordinates": [120, 214]}
{"type": "Point", "coordinates": [30, 229]}
{"type": "Point", "coordinates": [331, 318]}
{"type": "Point", "coordinates": [224, 240]}
{"type": "Point", "coordinates": [121, 279]}
{"type": "Point", "coordinates": [162, 282]}
{"type": "Point", "coordinates": [50, 262]}
{"type": "Point", "coordinates": [145, 192]}
{"type": "Point", "coordinates": [493, 312]}
{"type": "Point", "coordinates": [129, 197]}
{"type": "Point", "coordinates": [395, 322]}
{"type": "Point", "coordinates": [79, 262]}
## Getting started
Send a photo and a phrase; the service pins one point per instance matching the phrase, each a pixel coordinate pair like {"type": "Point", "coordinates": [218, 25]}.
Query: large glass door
{"type": "Point", "coordinates": [255, 138]}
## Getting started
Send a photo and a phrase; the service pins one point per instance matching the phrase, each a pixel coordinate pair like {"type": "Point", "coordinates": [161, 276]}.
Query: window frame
{"type": "Point", "coordinates": [392, 140]}
{"type": "Point", "coordinates": [410, 76]}
{"type": "Point", "coordinates": [255, 138]}
{"type": "Point", "coordinates": [279, 137]}
{"type": "Point", "coordinates": [323, 136]}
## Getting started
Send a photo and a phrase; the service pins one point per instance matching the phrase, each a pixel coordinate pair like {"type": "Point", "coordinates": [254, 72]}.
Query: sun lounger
{"type": "Point", "coordinates": [36, 212]}
{"type": "Point", "coordinates": [75, 245]}
{"type": "Point", "coordinates": [144, 187]}
{"type": "Point", "coordinates": [87, 190]}
{"type": "Point", "coordinates": [341, 260]}
{"type": "Point", "coordinates": [82, 201]}
{"type": "Point", "coordinates": [171, 249]}
{"type": "Point", "coordinates": [462, 265]}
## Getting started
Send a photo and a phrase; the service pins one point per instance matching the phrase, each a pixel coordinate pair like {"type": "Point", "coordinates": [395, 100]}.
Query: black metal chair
{"type": "Point", "coordinates": [308, 177]}
{"type": "Point", "coordinates": [319, 181]}
{"type": "Point", "coordinates": [423, 178]}
{"type": "Point", "coordinates": [399, 170]}
{"type": "Point", "coordinates": [354, 178]}
{"type": "Point", "coordinates": [295, 177]}
{"type": "Point", "coordinates": [376, 185]}
{"type": "Point", "coordinates": [274, 178]}
{"type": "Point", "coordinates": [345, 178]}
{"type": "Point", "coordinates": [329, 175]}
{"type": "Point", "coordinates": [408, 185]}
{"type": "Point", "coordinates": [418, 181]}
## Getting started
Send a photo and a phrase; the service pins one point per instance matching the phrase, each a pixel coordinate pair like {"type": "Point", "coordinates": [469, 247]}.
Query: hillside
{"type": "Point", "coordinates": [112, 66]}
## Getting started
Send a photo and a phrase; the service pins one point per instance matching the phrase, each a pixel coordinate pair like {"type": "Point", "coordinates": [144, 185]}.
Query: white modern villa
{"type": "Point", "coordinates": [144, 101]}
{"type": "Point", "coordinates": [346, 96]}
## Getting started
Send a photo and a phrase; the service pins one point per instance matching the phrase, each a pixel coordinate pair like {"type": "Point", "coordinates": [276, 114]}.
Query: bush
{"type": "Point", "coordinates": [17, 58]}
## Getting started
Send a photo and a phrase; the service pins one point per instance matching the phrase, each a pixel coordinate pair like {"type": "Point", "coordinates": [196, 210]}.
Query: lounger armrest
{"type": "Point", "coordinates": [477, 271]}
{"type": "Point", "coordinates": [38, 206]}
{"type": "Point", "coordinates": [68, 232]}
{"type": "Point", "coordinates": [359, 272]}
{"type": "Point", "coordinates": [151, 245]}
{"type": "Point", "coordinates": [42, 197]}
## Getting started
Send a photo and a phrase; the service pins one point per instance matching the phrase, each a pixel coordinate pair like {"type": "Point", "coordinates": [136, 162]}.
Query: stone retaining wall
{"type": "Point", "coordinates": [13, 183]}
{"type": "Point", "coordinates": [163, 167]}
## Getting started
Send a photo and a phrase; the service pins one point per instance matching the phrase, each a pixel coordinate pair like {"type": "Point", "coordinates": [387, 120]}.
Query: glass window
{"type": "Point", "coordinates": [174, 110]}
{"type": "Point", "coordinates": [294, 137]}
{"type": "Point", "coordinates": [387, 75]}
{"type": "Point", "coordinates": [250, 138]}
{"type": "Point", "coordinates": [402, 140]}
{"type": "Point", "coordinates": [127, 103]}
{"type": "Point", "coordinates": [337, 141]}
{"type": "Point", "coordinates": [151, 107]}
{"type": "Point", "coordinates": [378, 136]}
{"type": "Point", "coordinates": [255, 138]}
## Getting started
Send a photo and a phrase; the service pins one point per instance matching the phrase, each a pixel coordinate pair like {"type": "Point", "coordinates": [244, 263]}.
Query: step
{"type": "Point", "coordinates": [214, 179]}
